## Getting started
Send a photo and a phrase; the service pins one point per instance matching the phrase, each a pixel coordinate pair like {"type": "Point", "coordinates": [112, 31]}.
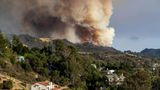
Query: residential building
{"type": "Point", "coordinates": [113, 78]}
{"type": "Point", "coordinates": [155, 66]}
{"type": "Point", "coordinates": [20, 58]}
{"type": "Point", "coordinates": [44, 86]}
{"type": "Point", "coordinates": [109, 71]}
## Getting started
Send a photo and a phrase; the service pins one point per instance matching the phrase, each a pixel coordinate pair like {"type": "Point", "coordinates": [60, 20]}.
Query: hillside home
{"type": "Point", "coordinates": [20, 59]}
{"type": "Point", "coordinates": [43, 86]}
{"type": "Point", "coordinates": [155, 66]}
{"type": "Point", "coordinates": [113, 78]}
{"type": "Point", "coordinates": [109, 71]}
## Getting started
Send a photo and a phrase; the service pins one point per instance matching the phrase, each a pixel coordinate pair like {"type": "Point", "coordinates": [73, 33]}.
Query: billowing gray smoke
{"type": "Point", "coordinates": [78, 21]}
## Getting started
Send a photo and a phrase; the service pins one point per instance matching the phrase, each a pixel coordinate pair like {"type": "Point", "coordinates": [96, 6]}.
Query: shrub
{"type": "Point", "coordinates": [7, 84]}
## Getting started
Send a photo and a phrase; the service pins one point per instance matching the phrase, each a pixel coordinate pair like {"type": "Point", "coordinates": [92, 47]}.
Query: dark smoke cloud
{"type": "Point", "coordinates": [75, 20]}
{"type": "Point", "coordinates": [43, 23]}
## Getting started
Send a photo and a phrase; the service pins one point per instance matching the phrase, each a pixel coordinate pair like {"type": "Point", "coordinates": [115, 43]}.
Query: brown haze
{"type": "Point", "coordinates": [78, 21]}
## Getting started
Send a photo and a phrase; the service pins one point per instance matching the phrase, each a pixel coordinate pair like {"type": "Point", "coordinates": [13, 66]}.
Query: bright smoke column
{"type": "Point", "coordinates": [78, 21]}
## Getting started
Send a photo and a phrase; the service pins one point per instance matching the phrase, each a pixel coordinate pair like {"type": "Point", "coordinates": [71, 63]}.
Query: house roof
{"type": "Point", "coordinates": [42, 83]}
{"type": "Point", "coordinates": [46, 83]}
{"type": "Point", "coordinates": [55, 89]}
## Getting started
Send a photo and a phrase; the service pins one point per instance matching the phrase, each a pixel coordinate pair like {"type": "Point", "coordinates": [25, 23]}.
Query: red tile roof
{"type": "Point", "coordinates": [55, 89]}
{"type": "Point", "coordinates": [42, 83]}
{"type": "Point", "coordinates": [46, 83]}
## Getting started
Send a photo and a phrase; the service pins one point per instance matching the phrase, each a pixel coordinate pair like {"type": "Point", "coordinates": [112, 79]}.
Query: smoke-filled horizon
{"type": "Point", "coordinates": [78, 21]}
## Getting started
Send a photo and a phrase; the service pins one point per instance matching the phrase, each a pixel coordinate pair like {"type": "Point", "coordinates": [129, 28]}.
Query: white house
{"type": "Point", "coordinates": [43, 86]}
{"type": "Point", "coordinates": [20, 58]}
{"type": "Point", "coordinates": [115, 79]}
{"type": "Point", "coordinates": [155, 66]}
{"type": "Point", "coordinates": [110, 71]}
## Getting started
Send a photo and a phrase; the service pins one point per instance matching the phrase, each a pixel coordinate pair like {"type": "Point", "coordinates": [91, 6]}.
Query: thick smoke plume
{"type": "Point", "coordinates": [78, 21]}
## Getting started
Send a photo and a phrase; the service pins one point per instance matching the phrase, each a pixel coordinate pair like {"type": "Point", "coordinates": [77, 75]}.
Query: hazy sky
{"type": "Point", "coordinates": [137, 24]}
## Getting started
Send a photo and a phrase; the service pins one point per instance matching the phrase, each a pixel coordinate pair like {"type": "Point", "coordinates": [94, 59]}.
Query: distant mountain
{"type": "Point", "coordinates": [153, 53]}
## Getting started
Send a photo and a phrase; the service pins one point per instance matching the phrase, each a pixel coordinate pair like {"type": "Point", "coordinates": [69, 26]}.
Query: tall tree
{"type": "Point", "coordinates": [18, 46]}
{"type": "Point", "coordinates": [3, 43]}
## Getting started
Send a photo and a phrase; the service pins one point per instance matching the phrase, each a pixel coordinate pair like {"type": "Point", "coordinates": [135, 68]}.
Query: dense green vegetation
{"type": "Point", "coordinates": [64, 65]}
{"type": "Point", "coordinates": [6, 85]}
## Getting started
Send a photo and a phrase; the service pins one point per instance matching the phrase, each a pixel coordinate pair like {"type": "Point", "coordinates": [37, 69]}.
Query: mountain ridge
{"type": "Point", "coordinates": [31, 42]}
{"type": "Point", "coordinates": [153, 53]}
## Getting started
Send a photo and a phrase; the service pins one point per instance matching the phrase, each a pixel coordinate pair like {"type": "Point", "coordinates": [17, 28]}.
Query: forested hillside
{"type": "Point", "coordinates": [78, 66]}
